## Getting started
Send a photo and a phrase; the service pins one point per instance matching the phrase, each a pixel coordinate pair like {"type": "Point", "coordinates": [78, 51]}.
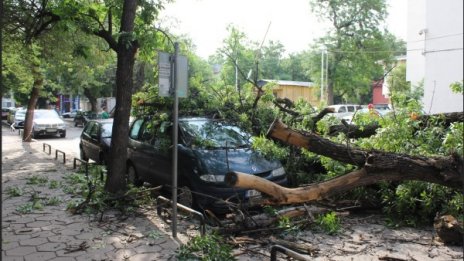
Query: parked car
{"type": "Point", "coordinates": [207, 150]}
{"type": "Point", "coordinates": [48, 122]}
{"type": "Point", "coordinates": [5, 113]}
{"type": "Point", "coordinates": [96, 140]}
{"type": "Point", "coordinates": [343, 110]}
{"type": "Point", "coordinates": [82, 117]}
{"type": "Point", "coordinates": [373, 113]}
{"type": "Point", "coordinates": [19, 118]}
{"type": "Point", "coordinates": [69, 114]}
{"type": "Point", "coordinates": [11, 114]}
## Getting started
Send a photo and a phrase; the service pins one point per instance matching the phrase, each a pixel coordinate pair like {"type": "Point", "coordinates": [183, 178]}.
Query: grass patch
{"type": "Point", "coordinates": [14, 191]}
{"type": "Point", "coordinates": [37, 180]}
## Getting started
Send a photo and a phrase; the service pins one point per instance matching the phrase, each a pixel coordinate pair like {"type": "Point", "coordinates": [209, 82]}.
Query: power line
{"type": "Point", "coordinates": [391, 51]}
{"type": "Point", "coordinates": [433, 38]}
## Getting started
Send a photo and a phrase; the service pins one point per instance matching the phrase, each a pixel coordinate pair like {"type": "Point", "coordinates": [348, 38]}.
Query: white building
{"type": "Point", "coordinates": [435, 52]}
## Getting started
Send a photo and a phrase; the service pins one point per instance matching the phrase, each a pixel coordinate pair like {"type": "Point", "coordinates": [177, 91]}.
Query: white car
{"type": "Point", "coordinates": [19, 118]}
{"type": "Point", "coordinates": [48, 122]}
{"type": "Point", "coordinates": [342, 111]}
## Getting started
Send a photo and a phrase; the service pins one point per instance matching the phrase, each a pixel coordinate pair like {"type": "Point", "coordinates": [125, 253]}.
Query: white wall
{"type": "Point", "coordinates": [440, 62]}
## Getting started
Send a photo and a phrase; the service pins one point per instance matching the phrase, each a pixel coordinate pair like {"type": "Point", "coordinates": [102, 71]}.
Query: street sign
{"type": "Point", "coordinates": [182, 76]}
{"type": "Point", "coordinates": [164, 74]}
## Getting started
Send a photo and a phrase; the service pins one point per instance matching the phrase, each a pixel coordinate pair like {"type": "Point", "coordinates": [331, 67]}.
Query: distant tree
{"type": "Point", "coordinates": [295, 67]}
{"type": "Point", "coordinates": [355, 45]}
{"type": "Point", "coordinates": [396, 80]}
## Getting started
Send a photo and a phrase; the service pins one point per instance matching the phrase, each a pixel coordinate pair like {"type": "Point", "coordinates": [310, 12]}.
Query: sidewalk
{"type": "Point", "coordinates": [53, 233]}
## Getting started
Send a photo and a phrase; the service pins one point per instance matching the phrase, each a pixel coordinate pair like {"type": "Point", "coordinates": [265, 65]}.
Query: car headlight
{"type": "Point", "coordinates": [278, 172]}
{"type": "Point", "coordinates": [212, 178]}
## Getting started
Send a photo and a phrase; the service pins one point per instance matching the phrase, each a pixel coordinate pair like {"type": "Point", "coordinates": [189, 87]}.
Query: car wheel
{"type": "Point", "coordinates": [63, 134]}
{"type": "Point", "coordinates": [132, 177]}
{"type": "Point", "coordinates": [83, 156]}
{"type": "Point", "coordinates": [185, 197]}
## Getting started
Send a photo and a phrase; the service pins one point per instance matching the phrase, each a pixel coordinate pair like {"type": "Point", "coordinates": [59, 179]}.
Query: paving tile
{"type": "Point", "coordinates": [70, 232]}
{"type": "Point", "coordinates": [146, 257]}
{"type": "Point", "coordinates": [50, 247]}
{"type": "Point", "coordinates": [63, 258]}
{"type": "Point", "coordinates": [147, 249]}
{"type": "Point", "coordinates": [38, 224]}
{"type": "Point", "coordinates": [24, 220]}
{"type": "Point", "coordinates": [86, 235]}
{"type": "Point", "coordinates": [40, 256]}
{"type": "Point", "coordinates": [6, 245]}
{"type": "Point", "coordinates": [27, 230]}
{"type": "Point", "coordinates": [12, 258]}
{"type": "Point", "coordinates": [15, 226]}
{"type": "Point", "coordinates": [12, 237]}
{"type": "Point", "coordinates": [121, 254]}
{"type": "Point", "coordinates": [60, 238]}
{"type": "Point", "coordinates": [33, 242]}
{"type": "Point", "coordinates": [20, 251]}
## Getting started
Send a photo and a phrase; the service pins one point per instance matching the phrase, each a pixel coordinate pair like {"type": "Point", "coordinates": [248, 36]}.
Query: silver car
{"type": "Point", "coordinates": [48, 122]}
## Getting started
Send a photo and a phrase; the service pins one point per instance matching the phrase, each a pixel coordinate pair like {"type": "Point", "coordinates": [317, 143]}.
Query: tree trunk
{"type": "Point", "coordinates": [116, 181]}
{"type": "Point", "coordinates": [92, 99]}
{"type": "Point", "coordinates": [374, 166]}
{"type": "Point", "coordinates": [35, 92]}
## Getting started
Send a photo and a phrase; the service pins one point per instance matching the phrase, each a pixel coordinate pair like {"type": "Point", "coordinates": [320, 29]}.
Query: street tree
{"type": "Point", "coordinates": [25, 24]}
{"type": "Point", "coordinates": [136, 33]}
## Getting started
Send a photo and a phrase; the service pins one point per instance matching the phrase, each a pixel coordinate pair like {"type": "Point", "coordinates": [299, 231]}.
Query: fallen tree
{"type": "Point", "coordinates": [373, 166]}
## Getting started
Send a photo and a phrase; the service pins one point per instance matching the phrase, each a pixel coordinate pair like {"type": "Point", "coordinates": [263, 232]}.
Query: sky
{"type": "Point", "coordinates": [288, 21]}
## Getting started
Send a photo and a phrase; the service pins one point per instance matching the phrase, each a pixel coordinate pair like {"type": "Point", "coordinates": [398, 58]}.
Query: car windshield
{"type": "Point", "coordinates": [213, 134]}
{"type": "Point", "coordinates": [45, 114]}
{"type": "Point", "coordinates": [106, 130]}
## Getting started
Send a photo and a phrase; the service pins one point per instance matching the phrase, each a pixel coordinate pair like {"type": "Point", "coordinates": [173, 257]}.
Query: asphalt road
{"type": "Point", "coordinates": [69, 144]}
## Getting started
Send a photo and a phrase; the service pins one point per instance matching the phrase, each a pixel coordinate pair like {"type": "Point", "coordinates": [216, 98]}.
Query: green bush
{"type": "Point", "coordinates": [207, 248]}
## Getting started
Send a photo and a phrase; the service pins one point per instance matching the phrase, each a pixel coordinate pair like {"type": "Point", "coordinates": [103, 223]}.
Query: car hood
{"type": "Point", "coordinates": [221, 161]}
{"type": "Point", "coordinates": [48, 121]}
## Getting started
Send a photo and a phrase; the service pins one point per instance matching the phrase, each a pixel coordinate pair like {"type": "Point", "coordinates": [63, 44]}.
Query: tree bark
{"type": "Point", "coordinates": [92, 99]}
{"type": "Point", "coordinates": [35, 92]}
{"type": "Point", "coordinates": [116, 181]}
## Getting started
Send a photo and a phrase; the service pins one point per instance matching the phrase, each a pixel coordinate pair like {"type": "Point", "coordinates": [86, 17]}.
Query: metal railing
{"type": "Point", "coordinates": [195, 213]}
{"type": "Point", "coordinates": [49, 148]}
{"type": "Point", "coordinates": [61, 152]}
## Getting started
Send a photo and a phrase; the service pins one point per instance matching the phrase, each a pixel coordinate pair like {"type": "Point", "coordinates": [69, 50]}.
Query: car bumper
{"type": "Point", "coordinates": [50, 131]}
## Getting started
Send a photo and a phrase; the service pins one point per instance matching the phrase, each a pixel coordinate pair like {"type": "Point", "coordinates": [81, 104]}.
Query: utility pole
{"type": "Point", "coordinates": [322, 74]}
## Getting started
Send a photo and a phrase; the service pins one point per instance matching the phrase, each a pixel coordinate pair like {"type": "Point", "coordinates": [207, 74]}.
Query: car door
{"type": "Point", "coordinates": [140, 151]}
{"type": "Point", "coordinates": [86, 139]}
{"type": "Point", "coordinates": [162, 149]}
{"type": "Point", "coordinates": [94, 142]}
